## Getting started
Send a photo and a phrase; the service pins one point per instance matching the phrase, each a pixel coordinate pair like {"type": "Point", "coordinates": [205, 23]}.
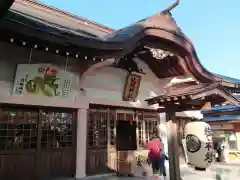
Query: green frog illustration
{"type": "Point", "coordinates": [45, 86]}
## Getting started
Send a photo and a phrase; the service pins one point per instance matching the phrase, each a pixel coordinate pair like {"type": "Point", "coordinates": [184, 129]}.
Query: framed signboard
{"type": "Point", "coordinates": [131, 89]}
{"type": "Point", "coordinates": [42, 80]}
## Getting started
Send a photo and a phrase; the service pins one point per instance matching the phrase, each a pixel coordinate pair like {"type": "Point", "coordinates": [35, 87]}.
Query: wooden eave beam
{"type": "Point", "coordinates": [179, 108]}
{"type": "Point", "coordinates": [169, 99]}
{"type": "Point", "coordinates": [168, 66]}
{"type": "Point", "coordinates": [164, 110]}
{"type": "Point", "coordinates": [186, 102]}
{"type": "Point", "coordinates": [218, 91]}
{"type": "Point", "coordinates": [234, 121]}
{"type": "Point", "coordinates": [162, 100]}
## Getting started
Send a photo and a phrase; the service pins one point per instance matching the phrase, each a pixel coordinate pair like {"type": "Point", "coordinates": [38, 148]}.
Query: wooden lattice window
{"type": "Point", "coordinates": [90, 129]}
{"type": "Point", "coordinates": [150, 120]}
{"type": "Point", "coordinates": [140, 128]}
{"type": "Point", "coordinates": [97, 129]}
{"type": "Point", "coordinates": [18, 128]}
{"type": "Point", "coordinates": [112, 128]}
{"type": "Point", "coordinates": [56, 129]}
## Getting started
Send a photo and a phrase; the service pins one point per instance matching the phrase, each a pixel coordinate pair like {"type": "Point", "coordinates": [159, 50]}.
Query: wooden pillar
{"type": "Point", "coordinates": [173, 151]}
{"type": "Point", "coordinates": [82, 118]}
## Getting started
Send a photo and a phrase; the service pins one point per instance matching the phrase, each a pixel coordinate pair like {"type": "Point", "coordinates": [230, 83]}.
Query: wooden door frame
{"type": "Point", "coordinates": [38, 150]}
{"type": "Point", "coordinates": [97, 110]}
{"type": "Point", "coordinates": [149, 115]}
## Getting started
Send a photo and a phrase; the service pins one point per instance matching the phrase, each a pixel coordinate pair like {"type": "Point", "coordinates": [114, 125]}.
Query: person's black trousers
{"type": "Point", "coordinates": [162, 165]}
{"type": "Point", "coordinates": [155, 165]}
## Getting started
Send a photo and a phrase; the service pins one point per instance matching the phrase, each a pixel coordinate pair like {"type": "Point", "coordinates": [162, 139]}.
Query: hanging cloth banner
{"type": "Point", "coordinates": [42, 80]}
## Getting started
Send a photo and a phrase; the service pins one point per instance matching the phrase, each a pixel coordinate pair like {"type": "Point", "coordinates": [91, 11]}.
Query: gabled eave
{"type": "Point", "coordinates": [193, 97]}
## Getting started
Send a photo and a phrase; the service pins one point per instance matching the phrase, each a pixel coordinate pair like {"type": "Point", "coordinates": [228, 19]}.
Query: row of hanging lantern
{"type": "Point", "coordinates": [57, 51]}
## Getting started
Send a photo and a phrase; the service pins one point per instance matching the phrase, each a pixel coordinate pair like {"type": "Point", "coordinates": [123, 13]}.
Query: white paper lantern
{"type": "Point", "coordinates": [199, 145]}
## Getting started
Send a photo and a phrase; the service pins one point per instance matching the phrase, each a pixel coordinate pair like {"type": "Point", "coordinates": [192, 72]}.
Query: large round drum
{"type": "Point", "coordinates": [199, 145]}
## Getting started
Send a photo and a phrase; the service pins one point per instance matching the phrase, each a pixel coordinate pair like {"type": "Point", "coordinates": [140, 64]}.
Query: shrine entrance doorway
{"type": "Point", "coordinates": [37, 143]}
{"type": "Point", "coordinates": [126, 138]}
{"type": "Point", "coordinates": [114, 129]}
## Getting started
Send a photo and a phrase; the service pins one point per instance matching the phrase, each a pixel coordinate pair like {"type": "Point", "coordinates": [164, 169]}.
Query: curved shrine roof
{"type": "Point", "coordinates": [157, 31]}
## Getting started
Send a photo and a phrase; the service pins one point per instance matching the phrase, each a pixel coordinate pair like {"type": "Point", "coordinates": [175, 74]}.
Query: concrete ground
{"type": "Point", "coordinates": [215, 172]}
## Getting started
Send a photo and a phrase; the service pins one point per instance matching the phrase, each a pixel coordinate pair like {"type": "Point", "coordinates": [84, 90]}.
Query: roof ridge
{"type": "Point", "coordinates": [62, 12]}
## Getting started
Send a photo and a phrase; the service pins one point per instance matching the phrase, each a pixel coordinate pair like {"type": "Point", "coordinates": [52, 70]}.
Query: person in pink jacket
{"type": "Point", "coordinates": [154, 150]}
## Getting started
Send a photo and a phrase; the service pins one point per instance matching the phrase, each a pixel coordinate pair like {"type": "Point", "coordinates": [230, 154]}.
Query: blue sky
{"type": "Point", "coordinates": [212, 25]}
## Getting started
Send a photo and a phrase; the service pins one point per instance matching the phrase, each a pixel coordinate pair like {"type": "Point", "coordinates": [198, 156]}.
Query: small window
{"type": "Point", "coordinates": [56, 129]}
{"type": "Point", "coordinates": [112, 129]}
{"type": "Point", "coordinates": [231, 140]}
{"type": "Point", "coordinates": [150, 128]}
{"type": "Point", "coordinates": [18, 129]}
{"type": "Point", "coordinates": [140, 127]}
{"type": "Point", "coordinates": [98, 130]}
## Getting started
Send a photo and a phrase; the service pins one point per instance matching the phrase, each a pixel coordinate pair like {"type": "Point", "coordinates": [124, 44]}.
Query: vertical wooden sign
{"type": "Point", "coordinates": [131, 88]}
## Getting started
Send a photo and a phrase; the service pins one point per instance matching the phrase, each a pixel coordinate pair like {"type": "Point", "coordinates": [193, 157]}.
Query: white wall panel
{"type": "Point", "coordinates": [11, 55]}
{"type": "Point", "coordinates": [108, 83]}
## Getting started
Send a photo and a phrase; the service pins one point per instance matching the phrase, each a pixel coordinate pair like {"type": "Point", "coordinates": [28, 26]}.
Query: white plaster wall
{"type": "Point", "coordinates": [103, 85]}
{"type": "Point", "coordinates": [11, 55]}
{"type": "Point", "coordinates": [106, 85]}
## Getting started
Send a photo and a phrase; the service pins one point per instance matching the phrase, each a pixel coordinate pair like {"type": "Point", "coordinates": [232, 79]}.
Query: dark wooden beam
{"type": "Point", "coordinates": [161, 100]}
{"type": "Point", "coordinates": [4, 7]}
{"type": "Point", "coordinates": [173, 150]}
{"type": "Point", "coordinates": [179, 107]}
